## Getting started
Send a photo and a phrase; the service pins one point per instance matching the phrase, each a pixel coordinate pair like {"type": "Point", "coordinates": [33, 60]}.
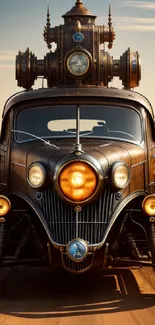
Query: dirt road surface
{"type": "Point", "coordinates": [33, 296]}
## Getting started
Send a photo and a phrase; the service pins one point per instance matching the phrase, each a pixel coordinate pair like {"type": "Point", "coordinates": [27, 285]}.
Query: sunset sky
{"type": "Point", "coordinates": [22, 24]}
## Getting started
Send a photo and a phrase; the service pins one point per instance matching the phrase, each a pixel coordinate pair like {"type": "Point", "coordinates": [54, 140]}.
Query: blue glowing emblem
{"type": "Point", "coordinates": [77, 250]}
{"type": "Point", "coordinates": [78, 37]}
{"type": "Point", "coordinates": [134, 65]}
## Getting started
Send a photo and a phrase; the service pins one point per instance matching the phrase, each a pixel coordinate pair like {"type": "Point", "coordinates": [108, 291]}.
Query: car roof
{"type": "Point", "coordinates": [105, 93]}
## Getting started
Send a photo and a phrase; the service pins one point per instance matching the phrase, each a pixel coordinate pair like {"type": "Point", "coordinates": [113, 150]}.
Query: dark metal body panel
{"type": "Point", "coordinates": [25, 154]}
{"type": "Point", "coordinates": [97, 219]}
{"type": "Point", "coordinates": [90, 94]}
{"type": "Point", "coordinates": [106, 152]}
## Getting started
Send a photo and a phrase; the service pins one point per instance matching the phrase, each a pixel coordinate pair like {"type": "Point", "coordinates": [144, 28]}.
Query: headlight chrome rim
{"type": "Point", "coordinates": [76, 168]}
{"type": "Point", "coordinates": [43, 171]}
{"type": "Point", "coordinates": [113, 174]}
{"type": "Point", "coordinates": [99, 174]}
{"type": "Point", "coordinates": [147, 198]}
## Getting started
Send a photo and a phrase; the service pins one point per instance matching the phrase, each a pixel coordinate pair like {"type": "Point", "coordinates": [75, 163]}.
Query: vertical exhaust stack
{"type": "Point", "coordinates": [111, 36]}
{"type": "Point", "coordinates": [78, 60]}
{"type": "Point", "coordinates": [47, 30]}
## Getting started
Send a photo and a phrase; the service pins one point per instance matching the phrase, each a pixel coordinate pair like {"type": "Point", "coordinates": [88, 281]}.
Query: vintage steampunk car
{"type": "Point", "coordinates": [77, 158]}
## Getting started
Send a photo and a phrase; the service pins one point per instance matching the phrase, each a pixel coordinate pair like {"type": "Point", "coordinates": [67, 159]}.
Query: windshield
{"type": "Point", "coordinates": [96, 121]}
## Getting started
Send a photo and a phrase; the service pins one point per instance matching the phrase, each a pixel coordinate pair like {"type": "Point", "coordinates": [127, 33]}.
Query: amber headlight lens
{"type": "Point", "coordinates": [78, 181]}
{"type": "Point", "coordinates": [36, 175]}
{"type": "Point", "coordinates": [121, 175]}
{"type": "Point", "coordinates": [5, 205]}
{"type": "Point", "coordinates": [148, 205]}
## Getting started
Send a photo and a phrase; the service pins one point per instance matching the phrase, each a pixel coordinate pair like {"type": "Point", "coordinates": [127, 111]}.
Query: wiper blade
{"type": "Point", "coordinates": [81, 133]}
{"type": "Point", "coordinates": [35, 136]}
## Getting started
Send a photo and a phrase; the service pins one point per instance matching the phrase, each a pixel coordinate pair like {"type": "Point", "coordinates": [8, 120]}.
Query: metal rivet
{"type": "Point", "coordinates": [2, 220]}
{"type": "Point", "coordinates": [39, 196]}
{"type": "Point", "coordinates": [152, 219]}
{"type": "Point", "coordinates": [78, 208]}
{"type": "Point", "coordinates": [118, 195]}
{"type": "Point", "coordinates": [78, 153]}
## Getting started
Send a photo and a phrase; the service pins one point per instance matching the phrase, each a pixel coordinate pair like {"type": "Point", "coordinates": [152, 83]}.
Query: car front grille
{"type": "Point", "coordinates": [64, 225]}
{"type": "Point", "coordinates": [79, 267]}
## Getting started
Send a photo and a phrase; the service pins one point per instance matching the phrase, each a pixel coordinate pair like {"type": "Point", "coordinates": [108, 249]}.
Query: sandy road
{"type": "Point", "coordinates": [31, 296]}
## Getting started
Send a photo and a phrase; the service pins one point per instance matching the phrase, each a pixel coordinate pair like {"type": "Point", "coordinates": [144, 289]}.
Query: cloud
{"type": "Point", "coordinates": [139, 4]}
{"type": "Point", "coordinates": [140, 24]}
{"type": "Point", "coordinates": [135, 23]}
{"type": "Point", "coordinates": [140, 28]}
{"type": "Point", "coordinates": [8, 55]}
{"type": "Point", "coordinates": [136, 20]}
{"type": "Point", "coordinates": [7, 66]}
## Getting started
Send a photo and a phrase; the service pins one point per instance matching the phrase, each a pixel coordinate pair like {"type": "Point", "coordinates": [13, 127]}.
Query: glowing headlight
{"type": "Point", "coordinates": [36, 175]}
{"type": "Point", "coordinates": [148, 205]}
{"type": "Point", "coordinates": [78, 181]}
{"type": "Point", "coordinates": [5, 205]}
{"type": "Point", "coordinates": [120, 175]}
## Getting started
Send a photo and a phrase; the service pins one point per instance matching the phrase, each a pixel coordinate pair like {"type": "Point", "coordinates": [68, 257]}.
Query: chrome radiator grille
{"type": "Point", "coordinates": [63, 224]}
{"type": "Point", "coordinates": [77, 267]}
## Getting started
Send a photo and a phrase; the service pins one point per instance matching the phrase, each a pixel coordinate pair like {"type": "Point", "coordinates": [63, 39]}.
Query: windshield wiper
{"type": "Point", "coordinates": [80, 133]}
{"type": "Point", "coordinates": [35, 136]}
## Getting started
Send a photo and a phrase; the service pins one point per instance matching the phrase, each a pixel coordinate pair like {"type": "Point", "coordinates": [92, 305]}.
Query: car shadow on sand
{"type": "Point", "coordinates": [38, 293]}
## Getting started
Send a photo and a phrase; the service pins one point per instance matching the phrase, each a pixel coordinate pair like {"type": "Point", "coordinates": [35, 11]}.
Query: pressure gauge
{"type": "Point", "coordinates": [78, 63]}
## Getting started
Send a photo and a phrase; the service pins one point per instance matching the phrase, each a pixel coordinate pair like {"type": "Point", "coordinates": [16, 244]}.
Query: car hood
{"type": "Point", "coordinates": [105, 152]}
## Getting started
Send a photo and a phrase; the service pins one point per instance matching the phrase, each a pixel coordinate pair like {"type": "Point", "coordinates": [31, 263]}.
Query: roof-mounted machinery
{"type": "Point", "coordinates": [78, 59]}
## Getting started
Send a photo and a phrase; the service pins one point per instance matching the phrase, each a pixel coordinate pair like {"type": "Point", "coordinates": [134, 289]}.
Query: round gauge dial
{"type": "Point", "coordinates": [78, 63]}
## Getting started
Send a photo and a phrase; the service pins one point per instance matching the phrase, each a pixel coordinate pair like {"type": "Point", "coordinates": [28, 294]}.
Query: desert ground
{"type": "Point", "coordinates": [116, 296]}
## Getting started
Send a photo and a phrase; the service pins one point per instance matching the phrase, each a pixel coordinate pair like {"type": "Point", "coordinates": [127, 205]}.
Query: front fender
{"type": "Point", "coordinates": [116, 213]}
{"type": "Point", "coordinates": [37, 211]}
{"type": "Point", "coordinates": [120, 208]}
